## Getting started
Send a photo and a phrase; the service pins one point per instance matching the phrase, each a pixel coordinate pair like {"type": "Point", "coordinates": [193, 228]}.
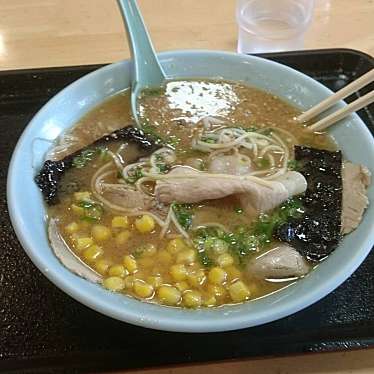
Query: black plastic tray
{"type": "Point", "coordinates": [42, 329]}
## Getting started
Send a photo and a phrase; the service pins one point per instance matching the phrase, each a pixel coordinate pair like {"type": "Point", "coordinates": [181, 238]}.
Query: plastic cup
{"type": "Point", "coordinates": [272, 25]}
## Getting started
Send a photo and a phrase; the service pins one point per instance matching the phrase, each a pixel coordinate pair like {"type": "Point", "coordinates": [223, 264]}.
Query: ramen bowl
{"type": "Point", "coordinates": [28, 213]}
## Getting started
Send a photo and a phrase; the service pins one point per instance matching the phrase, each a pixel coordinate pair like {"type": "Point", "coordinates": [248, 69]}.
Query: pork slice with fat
{"type": "Point", "coordinates": [192, 186]}
{"type": "Point", "coordinates": [126, 197]}
{"type": "Point", "coordinates": [280, 262]}
{"type": "Point", "coordinates": [356, 179]}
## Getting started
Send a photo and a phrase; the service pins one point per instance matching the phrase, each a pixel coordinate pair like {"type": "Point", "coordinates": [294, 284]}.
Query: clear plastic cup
{"type": "Point", "coordinates": [272, 25]}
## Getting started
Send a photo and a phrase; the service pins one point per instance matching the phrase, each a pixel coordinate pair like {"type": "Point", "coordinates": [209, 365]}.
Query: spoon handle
{"type": "Point", "coordinates": [148, 71]}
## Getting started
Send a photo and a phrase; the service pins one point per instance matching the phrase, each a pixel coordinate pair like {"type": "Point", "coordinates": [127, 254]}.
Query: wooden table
{"type": "Point", "coordinates": [39, 33]}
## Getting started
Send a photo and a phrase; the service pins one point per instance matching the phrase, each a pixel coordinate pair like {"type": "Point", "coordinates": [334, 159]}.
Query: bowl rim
{"type": "Point", "coordinates": [226, 323]}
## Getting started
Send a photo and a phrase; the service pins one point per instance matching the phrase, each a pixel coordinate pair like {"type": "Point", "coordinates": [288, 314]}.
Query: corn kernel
{"type": "Point", "coordinates": [122, 237]}
{"type": "Point", "coordinates": [169, 295]}
{"type": "Point", "coordinates": [182, 286]}
{"type": "Point", "coordinates": [117, 271]}
{"type": "Point", "coordinates": [101, 233]}
{"type": "Point", "coordinates": [83, 243]}
{"type": "Point", "coordinates": [130, 264]}
{"type": "Point", "coordinates": [210, 301]}
{"type": "Point", "coordinates": [102, 266]}
{"type": "Point", "coordinates": [145, 224]}
{"type": "Point", "coordinates": [71, 228]}
{"type": "Point", "coordinates": [164, 257]}
{"type": "Point", "coordinates": [120, 222]}
{"type": "Point", "coordinates": [82, 196]}
{"type": "Point", "coordinates": [155, 281]}
{"type": "Point", "coordinates": [239, 292]}
{"type": "Point", "coordinates": [197, 278]}
{"type": "Point", "coordinates": [79, 211]}
{"type": "Point", "coordinates": [129, 282]}
{"type": "Point", "coordinates": [224, 260]}
{"type": "Point", "coordinates": [217, 275]}
{"type": "Point", "coordinates": [178, 272]}
{"type": "Point", "coordinates": [145, 262]}
{"type": "Point", "coordinates": [143, 289]}
{"type": "Point", "coordinates": [192, 299]}
{"type": "Point", "coordinates": [217, 291]}
{"type": "Point", "coordinates": [233, 273]}
{"type": "Point", "coordinates": [114, 283]}
{"type": "Point", "coordinates": [176, 245]}
{"type": "Point", "coordinates": [186, 256]}
{"type": "Point", "coordinates": [92, 252]}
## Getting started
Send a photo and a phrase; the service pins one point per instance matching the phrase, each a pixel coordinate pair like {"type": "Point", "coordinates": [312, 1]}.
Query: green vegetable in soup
{"type": "Point", "coordinates": [184, 214]}
{"type": "Point", "coordinates": [172, 141]}
{"type": "Point", "coordinates": [83, 158]}
{"type": "Point", "coordinates": [294, 165]}
{"type": "Point", "coordinates": [267, 223]}
{"type": "Point", "coordinates": [209, 140]}
{"type": "Point", "coordinates": [92, 211]}
{"type": "Point", "coordinates": [247, 239]}
{"type": "Point", "coordinates": [203, 242]}
{"type": "Point", "coordinates": [263, 163]}
{"type": "Point", "coordinates": [136, 174]}
{"type": "Point", "coordinates": [204, 258]}
{"type": "Point", "coordinates": [163, 168]}
{"type": "Point", "coordinates": [88, 155]}
{"type": "Point", "coordinates": [150, 130]}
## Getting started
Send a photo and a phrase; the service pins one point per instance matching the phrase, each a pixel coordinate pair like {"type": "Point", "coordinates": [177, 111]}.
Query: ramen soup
{"type": "Point", "coordinates": [222, 198]}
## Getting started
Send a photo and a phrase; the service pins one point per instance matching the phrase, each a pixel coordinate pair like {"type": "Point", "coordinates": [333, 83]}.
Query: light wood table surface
{"type": "Point", "coordinates": [40, 33]}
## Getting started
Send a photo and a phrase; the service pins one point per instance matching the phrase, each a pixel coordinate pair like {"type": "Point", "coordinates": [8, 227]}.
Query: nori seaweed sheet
{"type": "Point", "coordinates": [49, 177]}
{"type": "Point", "coordinates": [318, 232]}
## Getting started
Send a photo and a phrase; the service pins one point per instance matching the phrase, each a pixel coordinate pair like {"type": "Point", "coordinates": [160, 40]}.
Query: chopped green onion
{"type": "Point", "coordinates": [204, 259]}
{"type": "Point", "coordinates": [173, 141]}
{"type": "Point", "coordinates": [209, 140]}
{"type": "Point", "coordinates": [163, 168]}
{"type": "Point", "coordinates": [84, 157]}
{"type": "Point", "coordinates": [87, 155]}
{"type": "Point", "coordinates": [294, 165]}
{"type": "Point", "coordinates": [184, 214]}
{"type": "Point", "coordinates": [247, 239]}
{"type": "Point", "coordinates": [92, 211]}
{"type": "Point", "coordinates": [263, 163]}
{"type": "Point", "coordinates": [136, 174]}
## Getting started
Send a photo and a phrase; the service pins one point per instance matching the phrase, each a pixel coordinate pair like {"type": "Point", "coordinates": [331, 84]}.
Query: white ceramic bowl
{"type": "Point", "coordinates": [27, 210]}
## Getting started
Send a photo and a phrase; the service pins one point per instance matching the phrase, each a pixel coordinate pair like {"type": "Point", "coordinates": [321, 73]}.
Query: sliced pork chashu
{"type": "Point", "coordinates": [126, 197]}
{"type": "Point", "coordinates": [255, 197]}
{"type": "Point", "coordinates": [280, 262]}
{"type": "Point", "coordinates": [356, 179]}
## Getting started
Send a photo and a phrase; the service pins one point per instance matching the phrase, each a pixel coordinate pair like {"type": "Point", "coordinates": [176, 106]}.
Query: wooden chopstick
{"type": "Point", "coordinates": [341, 94]}
{"type": "Point", "coordinates": [341, 113]}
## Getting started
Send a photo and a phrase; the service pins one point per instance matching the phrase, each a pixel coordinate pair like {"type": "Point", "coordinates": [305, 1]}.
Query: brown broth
{"type": "Point", "coordinates": [180, 107]}
{"type": "Point", "coordinates": [176, 112]}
